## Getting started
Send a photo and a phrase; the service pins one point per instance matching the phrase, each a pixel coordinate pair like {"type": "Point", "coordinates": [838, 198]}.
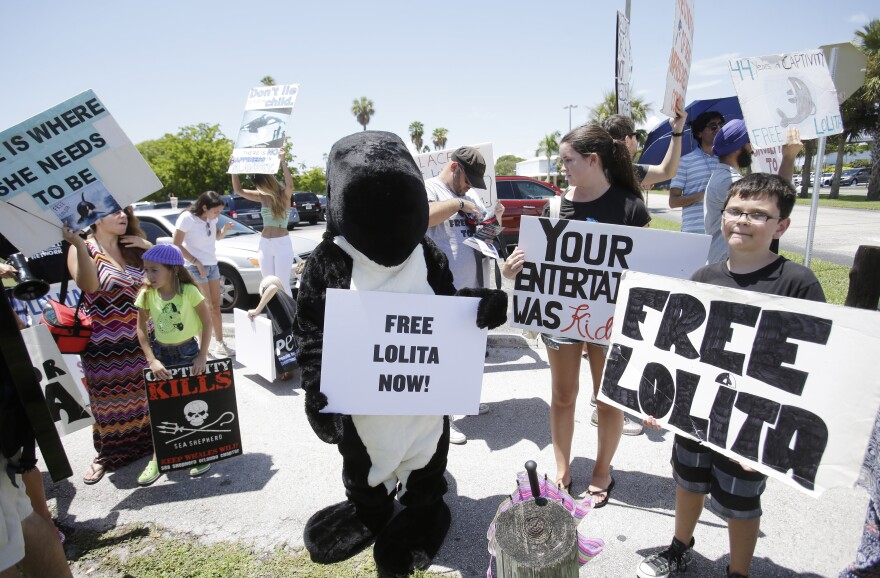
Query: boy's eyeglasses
{"type": "Point", "coordinates": [735, 214]}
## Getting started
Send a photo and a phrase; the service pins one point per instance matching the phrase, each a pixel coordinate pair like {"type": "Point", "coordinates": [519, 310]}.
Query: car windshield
{"type": "Point", "coordinates": [850, 171]}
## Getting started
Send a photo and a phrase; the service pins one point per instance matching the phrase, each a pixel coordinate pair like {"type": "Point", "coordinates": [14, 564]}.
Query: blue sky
{"type": "Point", "coordinates": [497, 72]}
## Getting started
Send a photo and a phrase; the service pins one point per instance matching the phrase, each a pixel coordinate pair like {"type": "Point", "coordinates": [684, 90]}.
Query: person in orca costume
{"type": "Point", "coordinates": [375, 241]}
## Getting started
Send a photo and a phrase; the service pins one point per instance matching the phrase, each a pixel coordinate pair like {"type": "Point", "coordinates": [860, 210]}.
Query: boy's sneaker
{"type": "Point", "coordinates": [456, 436]}
{"type": "Point", "coordinates": [199, 470]}
{"type": "Point", "coordinates": [673, 559]}
{"type": "Point", "coordinates": [630, 428]}
{"type": "Point", "coordinates": [220, 349]}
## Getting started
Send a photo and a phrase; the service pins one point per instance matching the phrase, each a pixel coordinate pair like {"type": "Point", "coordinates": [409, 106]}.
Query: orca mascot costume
{"type": "Point", "coordinates": [377, 217]}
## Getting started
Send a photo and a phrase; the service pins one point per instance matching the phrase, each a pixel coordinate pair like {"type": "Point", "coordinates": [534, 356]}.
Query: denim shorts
{"type": "Point", "coordinates": [553, 342]}
{"type": "Point", "coordinates": [212, 273]}
{"type": "Point", "coordinates": [183, 354]}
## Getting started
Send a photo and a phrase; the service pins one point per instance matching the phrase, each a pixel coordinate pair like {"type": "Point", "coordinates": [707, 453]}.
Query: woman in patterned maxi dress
{"type": "Point", "coordinates": [108, 269]}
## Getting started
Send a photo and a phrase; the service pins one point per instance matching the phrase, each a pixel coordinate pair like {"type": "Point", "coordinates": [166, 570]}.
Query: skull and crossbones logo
{"type": "Point", "coordinates": [196, 414]}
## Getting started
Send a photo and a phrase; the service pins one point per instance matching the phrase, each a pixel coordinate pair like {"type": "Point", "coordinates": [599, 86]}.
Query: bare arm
{"type": "Point", "coordinates": [178, 240]}
{"type": "Point", "coordinates": [156, 366]}
{"type": "Point", "coordinates": [204, 337]}
{"type": "Point", "coordinates": [790, 150]}
{"type": "Point", "coordinates": [669, 166]}
{"type": "Point", "coordinates": [677, 199]}
{"type": "Point", "coordinates": [264, 300]}
{"type": "Point", "coordinates": [439, 211]}
{"type": "Point", "coordinates": [288, 180]}
{"type": "Point", "coordinates": [81, 266]}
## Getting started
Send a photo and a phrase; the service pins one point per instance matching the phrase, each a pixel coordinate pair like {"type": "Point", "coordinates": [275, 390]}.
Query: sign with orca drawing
{"type": "Point", "coordinates": [780, 91]}
{"type": "Point", "coordinates": [267, 114]}
{"type": "Point", "coordinates": [569, 282]}
{"type": "Point", "coordinates": [785, 386]}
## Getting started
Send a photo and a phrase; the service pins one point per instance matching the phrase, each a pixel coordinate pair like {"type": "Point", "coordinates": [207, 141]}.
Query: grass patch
{"type": "Point", "coordinates": [137, 551]}
{"type": "Point", "coordinates": [843, 202]}
{"type": "Point", "coordinates": [833, 277]}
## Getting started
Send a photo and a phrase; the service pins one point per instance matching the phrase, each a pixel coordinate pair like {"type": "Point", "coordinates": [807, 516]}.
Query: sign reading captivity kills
{"type": "Point", "coordinates": [569, 281]}
{"type": "Point", "coordinates": [401, 354]}
{"type": "Point", "coordinates": [194, 417]}
{"type": "Point", "coordinates": [785, 386]}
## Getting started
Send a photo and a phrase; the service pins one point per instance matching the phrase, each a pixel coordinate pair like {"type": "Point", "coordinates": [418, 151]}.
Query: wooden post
{"type": "Point", "coordinates": [864, 279]}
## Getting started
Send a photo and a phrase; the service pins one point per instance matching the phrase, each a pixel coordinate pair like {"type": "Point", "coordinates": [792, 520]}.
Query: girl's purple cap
{"type": "Point", "coordinates": [164, 254]}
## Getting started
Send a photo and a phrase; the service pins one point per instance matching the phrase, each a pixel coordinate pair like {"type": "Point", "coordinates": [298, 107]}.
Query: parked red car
{"type": "Point", "coordinates": [521, 196]}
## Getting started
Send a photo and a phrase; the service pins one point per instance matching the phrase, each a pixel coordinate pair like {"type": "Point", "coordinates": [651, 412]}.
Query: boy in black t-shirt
{"type": "Point", "coordinates": [756, 212]}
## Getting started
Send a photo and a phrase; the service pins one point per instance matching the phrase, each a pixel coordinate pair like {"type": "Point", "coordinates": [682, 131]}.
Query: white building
{"type": "Point", "coordinates": [537, 168]}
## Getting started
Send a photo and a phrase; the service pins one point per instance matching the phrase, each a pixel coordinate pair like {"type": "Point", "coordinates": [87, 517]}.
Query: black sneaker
{"type": "Point", "coordinates": [675, 558]}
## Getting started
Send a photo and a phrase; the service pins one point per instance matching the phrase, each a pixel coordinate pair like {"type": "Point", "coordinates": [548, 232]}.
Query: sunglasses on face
{"type": "Point", "coordinates": [714, 125]}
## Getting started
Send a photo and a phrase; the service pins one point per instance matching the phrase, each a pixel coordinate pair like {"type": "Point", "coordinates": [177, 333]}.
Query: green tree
{"type": "Point", "coordinates": [268, 81]}
{"type": "Point", "coordinates": [416, 132]}
{"type": "Point", "coordinates": [362, 109]}
{"type": "Point", "coordinates": [505, 165]}
{"type": "Point", "coordinates": [549, 146]}
{"type": "Point", "coordinates": [313, 179]}
{"type": "Point", "coordinates": [439, 138]}
{"type": "Point", "coordinates": [640, 109]}
{"type": "Point", "coordinates": [190, 162]}
{"type": "Point", "coordinates": [865, 100]}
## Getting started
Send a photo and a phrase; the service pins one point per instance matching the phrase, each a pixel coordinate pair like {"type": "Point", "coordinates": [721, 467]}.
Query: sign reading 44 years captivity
{"type": "Point", "coordinates": [786, 90]}
{"type": "Point", "coordinates": [194, 417]}
{"type": "Point", "coordinates": [569, 282]}
{"type": "Point", "coordinates": [785, 386]}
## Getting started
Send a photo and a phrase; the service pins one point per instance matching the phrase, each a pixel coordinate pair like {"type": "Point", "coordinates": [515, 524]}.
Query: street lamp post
{"type": "Point", "coordinates": [569, 107]}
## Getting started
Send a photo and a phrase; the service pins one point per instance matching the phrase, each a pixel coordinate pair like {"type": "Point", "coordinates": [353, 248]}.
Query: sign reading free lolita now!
{"type": "Point", "coordinates": [570, 279]}
{"type": "Point", "coordinates": [263, 129]}
{"type": "Point", "coordinates": [779, 384]}
{"type": "Point", "coordinates": [430, 164]}
{"type": "Point", "coordinates": [401, 354]}
{"type": "Point", "coordinates": [71, 164]}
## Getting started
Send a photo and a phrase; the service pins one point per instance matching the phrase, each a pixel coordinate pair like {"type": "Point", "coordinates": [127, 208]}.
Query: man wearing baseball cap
{"type": "Point", "coordinates": [734, 152]}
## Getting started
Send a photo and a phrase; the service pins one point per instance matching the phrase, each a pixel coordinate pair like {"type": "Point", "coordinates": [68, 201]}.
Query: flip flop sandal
{"type": "Point", "coordinates": [96, 473]}
{"type": "Point", "coordinates": [606, 491]}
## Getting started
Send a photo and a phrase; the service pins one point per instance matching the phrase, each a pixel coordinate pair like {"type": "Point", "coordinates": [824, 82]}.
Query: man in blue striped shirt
{"type": "Point", "coordinates": [689, 185]}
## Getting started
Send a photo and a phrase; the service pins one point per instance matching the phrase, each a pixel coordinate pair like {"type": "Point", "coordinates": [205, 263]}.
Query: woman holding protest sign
{"type": "Point", "coordinates": [276, 251]}
{"type": "Point", "coordinates": [196, 235]}
{"type": "Point", "coordinates": [108, 268]}
{"type": "Point", "coordinates": [602, 188]}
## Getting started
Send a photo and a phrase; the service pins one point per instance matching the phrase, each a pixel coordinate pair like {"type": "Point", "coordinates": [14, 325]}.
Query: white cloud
{"type": "Point", "coordinates": [858, 19]}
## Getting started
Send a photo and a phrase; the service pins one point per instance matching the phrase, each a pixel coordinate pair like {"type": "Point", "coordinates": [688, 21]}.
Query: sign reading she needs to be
{"type": "Point", "coordinates": [782, 385]}
{"type": "Point", "coordinates": [401, 354]}
{"type": "Point", "coordinates": [568, 285]}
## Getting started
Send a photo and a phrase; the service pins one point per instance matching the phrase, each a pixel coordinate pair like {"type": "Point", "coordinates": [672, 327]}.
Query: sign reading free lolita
{"type": "Point", "coordinates": [267, 114]}
{"type": "Point", "coordinates": [430, 164]}
{"type": "Point", "coordinates": [401, 354]}
{"type": "Point", "coordinates": [71, 164]}
{"type": "Point", "coordinates": [779, 384]}
{"type": "Point", "coordinates": [780, 91]}
{"type": "Point", "coordinates": [570, 279]}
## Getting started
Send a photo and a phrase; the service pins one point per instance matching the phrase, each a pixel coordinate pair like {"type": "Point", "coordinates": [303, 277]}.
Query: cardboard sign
{"type": "Point", "coordinates": [71, 164]}
{"type": "Point", "coordinates": [767, 160]}
{"type": "Point", "coordinates": [267, 114]}
{"type": "Point", "coordinates": [680, 57]}
{"type": "Point", "coordinates": [65, 395]}
{"type": "Point", "coordinates": [784, 90]}
{"type": "Point", "coordinates": [401, 354]}
{"type": "Point", "coordinates": [254, 344]}
{"type": "Point", "coordinates": [194, 417]}
{"type": "Point", "coordinates": [432, 163]}
{"type": "Point", "coordinates": [623, 70]}
{"type": "Point", "coordinates": [569, 282]}
{"type": "Point", "coordinates": [781, 385]}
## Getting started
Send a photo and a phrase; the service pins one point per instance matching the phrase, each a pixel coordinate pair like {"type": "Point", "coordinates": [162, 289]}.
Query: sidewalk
{"type": "Point", "coordinates": [265, 496]}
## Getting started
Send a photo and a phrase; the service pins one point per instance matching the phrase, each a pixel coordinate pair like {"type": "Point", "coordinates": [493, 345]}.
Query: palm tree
{"type": "Point", "coordinates": [639, 108]}
{"type": "Point", "coordinates": [362, 109]}
{"type": "Point", "coordinates": [268, 81]}
{"type": "Point", "coordinates": [416, 132]}
{"type": "Point", "coordinates": [549, 145]}
{"type": "Point", "coordinates": [867, 98]}
{"type": "Point", "coordinates": [426, 149]}
{"type": "Point", "coordinates": [439, 138]}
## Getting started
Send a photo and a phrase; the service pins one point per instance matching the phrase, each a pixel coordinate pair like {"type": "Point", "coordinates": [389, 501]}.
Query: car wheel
{"type": "Point", "coordinates": [855, 182]}
{"type": "Point", "coordinates": [313, 221]}
{"type": "Point", "coordinates": [232, 290]}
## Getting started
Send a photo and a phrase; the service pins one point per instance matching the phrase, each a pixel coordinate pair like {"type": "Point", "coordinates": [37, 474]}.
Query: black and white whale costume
{"type": "Point", "coordinates": [377, 217]}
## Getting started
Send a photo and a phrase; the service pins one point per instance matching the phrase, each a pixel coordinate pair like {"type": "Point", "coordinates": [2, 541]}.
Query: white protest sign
{"type": "Point", "coordinates": [430, 164]}
{"type": "Point", "coordinates": [786, 90]}
{"type": "Point", "coordinates": [569, 282]}
{"type": "Point", "coordinates": [267, 114]}
{"type": "Point", "coordinates": [680, 57]}
{"type": "Point", "coordinates": [71, 164]}
{"type": "Point", "coordinates": [767, 160]}
{"type": "Point", "coordinates": [782, 385]}
{"type": "Point", "coordinates": [254, 344]}
{"type": "Point", "coordinates": [623, 71]}
{"type": "Point", "coordinates": [484, 248]}
{"type": "Point", "coordinates": [401, 354]}
{"type": "Point", "coordinates": [69, 409]}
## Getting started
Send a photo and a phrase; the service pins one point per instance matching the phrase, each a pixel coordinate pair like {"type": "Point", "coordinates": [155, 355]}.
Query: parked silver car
{"type": "Point", "coordinates": [236, 254]}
